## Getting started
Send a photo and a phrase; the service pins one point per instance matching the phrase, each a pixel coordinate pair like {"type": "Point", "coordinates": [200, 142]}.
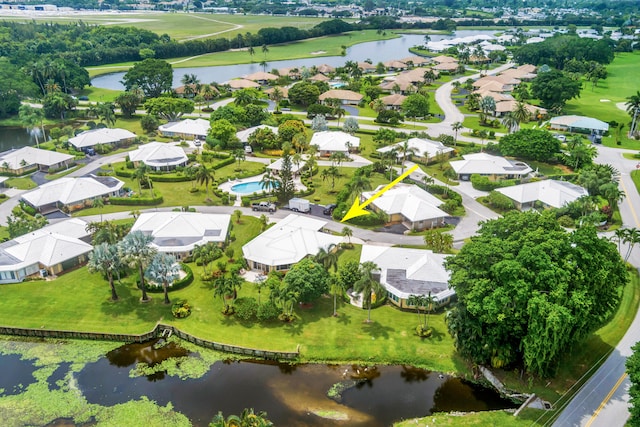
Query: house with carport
{"type": "Point", "coordinates": [579, 124]}
{"type": "Point", "coordinates": [493, 167]}
{"type": "Point", "coordinates": [405, 272]}
{"type": "Point", "coordinates": [329, 142]}
{"type": "Point", "coordinates": [103, 136]}
{"type": "Point", "coordinates": [422, 149]}
{"type": "Point", "coordinates": [346, 97]}
{"type": "Point", "coordinates": [71, 194]}
{"type": "Point", "coordinates": [409, 205]}
{"type": "Point", "coordinates": [287, 242]}
{"type": "Point", "coordinates": [186, 129]}
{"type": "Point", "coordinates": [159, 156]}
{"type": "Point", "coordinates": [393, 101]}
{"type": "Point", "coordinates": [28, 159]}
{"type": "Point", "coordinates": [550, 193]}
{"type": "Point", "coordinates": [178, 233]}
{"type": "Point", "coordinates": [49, 251]}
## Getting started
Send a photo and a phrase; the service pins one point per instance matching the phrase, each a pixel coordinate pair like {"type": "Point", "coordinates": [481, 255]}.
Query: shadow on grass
{"type": "Point", "coordinates": [344, 318]}
{"type": "Point", "coordinates": [376, 330]}
{"type": "Point", "coordinates": [294, 328]}
{"type": "Point", "coordinates": [436, 335]}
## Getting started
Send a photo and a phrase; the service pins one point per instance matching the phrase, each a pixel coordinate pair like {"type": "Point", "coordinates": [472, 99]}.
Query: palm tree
{"type": "Point", "coordinates": [473, 101]}
{"type": "Point", "coordinates": [264, 64]}
{"type": "Point", "coordinates": [347, 232]}
{"type": "Point", "coordinates": [358, 184]}
{"type": "Point", "coordinates": [632, 238]}
{"type": "Point", "coordinates": [98, 203]}
{"type": "Point", "coordinates": [620, 235]}
{"type": "Point", "coordinates": [520, 114]}
{"type": "Point", "coordinates": [265, 50]}
{"type": "Point", "coordinates": [164, 268]}
{"type": "Point", "coordinates": [29, 118]}
{"type": "Point", "coordinates": [269, 182]}
{"type": "Point", "coordinates": [427, 180]}
{"type": "Point", "coordinates": [141, 174]}
{"type": "Point", "coordinates": [239, 155]}
{"type": "Point", "coordinates": [237, 213]}
{"type": "Point", "coordinates": [276, 96]}
{"type": "Point", "coordinates": [456, 126]}
{"type": "Point", "coordinates": [428, 302]}
{"type": "Point", "coordinates": [136, 251]}
{"type": "Point", "coordinates": [612, 193]}
{"type": "Point", "coordinates": [337, 157]}
{"type": "Point", "coordinates": [328, 257]}
{"type": "Point", "coordinates": [378, 106]}
{"type": "Point", "coordinates": [487, 106]}
{"type": "Point", "coordinates": [335, 288]}
{"type": "Point", "coordinates": [633, 108]}
{"type": "Point", "coordinates": [251, 51]}
{"type": "Point", "coordinates": [406, 151]}
{"type": "Point", "coordinates": [429, 76]}
{"type": "Point", "coordinates": [367, 285]}
{"type": "Point", "coordinates": [264, 222]}
{"type": "Point", "coordinates": [509, 122]}
{"type": "Point", "coordinates": [106, 260]}
{"type": "Point", "coordinates": [204, 176]}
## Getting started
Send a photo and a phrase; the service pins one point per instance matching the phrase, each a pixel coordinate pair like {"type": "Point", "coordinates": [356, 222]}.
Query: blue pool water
{"type": "Point", "coordinates": [247, 187]}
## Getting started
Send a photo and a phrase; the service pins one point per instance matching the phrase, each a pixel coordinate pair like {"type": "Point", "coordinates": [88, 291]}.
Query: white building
{"type": "Point", "coordinates": [332, 141]}
{"type": "Point", "coordinates": [91, 138]}
{"type": "Point", "coordinates": [423, 149]}
{"type": "Point", "coordinates": [159, 156]}
{"type": "Point", "coordinates": [549, 192]}
{"type": "Point", "coordinates": [405, 272]}
{"type": "Point", "coordinates": [494, 167]}
{"type": "Point", "coordinates": [579, 123]}
{"type": "Point", "coordinates": [178, 233]}
{"type": "Point", "coordinates": [72, 193]}
{"type": "Point", "coordinates": [409, 205]}
{"type": "Point", "coordinates": [50, 250]}
{"type": "Point", "coordinates": [287, 242]}
{"type": "Point", "coordinates": [28, 158]}
{"type": "Point", "coordinates": [188, 128]}
{"type": "Point", "coordinates": [243, 135]}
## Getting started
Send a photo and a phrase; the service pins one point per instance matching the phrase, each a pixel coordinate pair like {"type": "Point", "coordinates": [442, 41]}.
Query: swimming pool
{"type": "Point", "coordinates": [248, 187]}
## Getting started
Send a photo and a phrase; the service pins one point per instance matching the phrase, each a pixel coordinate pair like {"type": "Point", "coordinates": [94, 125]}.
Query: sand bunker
{"type": "Point", "coordinates": [318, 52]}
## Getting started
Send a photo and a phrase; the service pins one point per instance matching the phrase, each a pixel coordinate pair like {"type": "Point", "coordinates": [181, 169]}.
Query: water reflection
{"type": "Point", "coordinates": [17, 374]}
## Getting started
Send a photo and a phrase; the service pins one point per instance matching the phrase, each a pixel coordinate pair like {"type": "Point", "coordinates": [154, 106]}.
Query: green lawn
{"type": "Point", "coordinates": [21, 183]}
{"type": "Point", "coordinates": [325, 191]}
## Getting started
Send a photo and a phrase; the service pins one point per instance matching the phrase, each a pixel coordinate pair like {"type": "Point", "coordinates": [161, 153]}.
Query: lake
{"type": "Point", "coordinates": [16, 137]}
{"type": "Point", "coordinates": [376, 51]}
{"type": "Point", "coordinates": [292, 395]}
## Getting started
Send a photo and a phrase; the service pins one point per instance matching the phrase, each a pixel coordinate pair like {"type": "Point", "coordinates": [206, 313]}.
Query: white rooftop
{"type": "Point", "coordinates": [198, 127]}
{"type": "Point", "coordinates": [32, 156]}
{"type": "Point", "coordinates": [580, 122]}
{"type": "Point", "coordinates": [244, 135]}
{"type": "Point", "coordinates": [159, 154]}
{"type": "Point", "coordinates": [288, 241]}
{"type": "Point", "coordinates": [182, 231]}
{"type": "Point", "coordinates": [295, 167]}
{"type": "Point", "coordinates": [550, 192]}
{"type": "Point", "coordinates": [409, 200]}
{"type": "Point", "coordinates": [68, 190]}
{"type": "Point", "coordinates": [407, 272]}
{"type": "Point", "coordinates": [89, 138]}
{"type": "Point", "coordinates": [74, 227]}
{"type": "Point", "coordinates": [420, 147]}
{"type": "Point", "coordinates": [334, 141]}
{"type": "Point", "coordinates": [486, 164]}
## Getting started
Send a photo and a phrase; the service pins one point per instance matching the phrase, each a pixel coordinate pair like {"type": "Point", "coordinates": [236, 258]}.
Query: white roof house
{"type": "Point", "coordinates": [40, 249]}
{"type": "Point", "coordinates": [27, 157]}
{"type": "Point", "coordinates": [287, 242]}
{"type": "Point", "coordinates": [179, 232]}
{"type": "Point", "coordinates": [295, 167]}
{"type": "Point", "coordinates": [69, 191]}
{"type": "Point", "coordinates": [188, 128]}
{"type": "Point", "coordinates": [571, 123]}
{"type": "Point", "coordinates": [73, 227]}
{"type": "Point", "coordinates": [243, 135]}
{"type": "Point", "coordinates": [405, 272]}
{"type": "Point", "coordinates": [409, 204]}
{"type": "Point", "coordinates": [159, 155]}
{"type": "Point", "coordinates": [550, 192]}
{"type": "Point", "coordinates": [90, 138]}
{"type": "Point", "coordinates": [420, 148]}
{"type": "Point", "coordinates": [331, 141]}
{"type": "Point", "coordinates": [488, 165]}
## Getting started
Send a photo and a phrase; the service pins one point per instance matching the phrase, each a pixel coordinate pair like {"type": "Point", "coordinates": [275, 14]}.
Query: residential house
{"type": "Point", "coordinates": [398, 85]}
{"type": "Point", "coordinates": [27, 159]}
{"type": "Point", "coordinates": [423, 150]}
{"type": "Point", "coordinates": [292, 72]}
{"type": "Point", "coordinates": [276, 166]}
{"type": "Point", "coordinates": [93, 137]}
{"type": "Point", "coordinates": [497, 96]}
{"type": "Point", "coordinates": [283, 90]}
{"type": "Point", "coordinates": [504, 107]}
{"type": "Point", "coordinates": [319, 78]}
{"type": "Point", "coordinates": [443, 59]}
{"type": "Point", "coordinates": [405, 272]}
{"type": "Point", "coordinates": [329, 142]}
{"type": "Point", "coordinates": [395, 66]}
{"type": "Point", "coordinates": [416, 76]}
{"type": "Point", "coordinates": [159, 156]}
{"type": "Point", "coordinates": [243, 135]}
{"type": "Point", "coordinates": [70, 194]}
{"type": "Point", "coordinates": [393, 101]}
{"type": "Point", "coordinates": [346, 97]}
{"type": "Point", "coordinates": [493, 167]}
{"type": "Point", "coordinates": [549, 192]}
{"type": "Point", "coordinates": [178, 233]}
{"type": "Point", "coordinates": [409, 205]}
{"type": "Point", "coordinates": [580, 124]}
{"type": "Point", "coordinates": [366, 67]}
{"type": "Point", "coordinates": [446, 67]}
{"type": "Point", "coordinates": [526, 72]}
{"type": "Point", "coordinates": [416, 60]}
{"type": "Point", "coordinates": [287, 242]}
{"type": "Point", "coordinates": [262, 78]}
{"type": "Point", "coordinates": [186, 129]}
{"type": "Point", "coordinates": [326, 69]}
{"type": "Point", "coordinates": [493, 86]}
{"type": "Point", "coordinates": [237, 84]}
{"type": "Point", "coordinates": [48, 251]}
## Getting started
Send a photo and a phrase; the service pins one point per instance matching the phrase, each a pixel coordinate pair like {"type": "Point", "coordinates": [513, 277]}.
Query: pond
{"type": "Point", "coordinates": [292, 395]}
{"type": "Point", "coordinates": [17, 137]}
{"type": "Point", "coordinates": [376, 51]}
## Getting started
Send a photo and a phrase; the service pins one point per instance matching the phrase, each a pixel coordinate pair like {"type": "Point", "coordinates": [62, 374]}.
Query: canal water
{"type": "Point", "coordinates": [376, 51]}
{"type": "Point", "coordinates": [16, 137]}
{"type": "Point", "coordinates": [292, 395]}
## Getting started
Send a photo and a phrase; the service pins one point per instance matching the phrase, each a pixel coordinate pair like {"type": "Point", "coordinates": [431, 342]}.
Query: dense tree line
{"type": "Point", "coordinates": [558, 50]}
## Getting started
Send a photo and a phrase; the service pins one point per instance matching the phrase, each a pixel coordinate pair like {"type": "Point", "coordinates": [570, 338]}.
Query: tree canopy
{"type": "Point", "coordinates": [530, 144]}
{"type": "Point", "coordinates": [308, 278]}
{"type": "Point", "coordinates": [633, 369]}
{"type": "Point", "coordinates": [153, 76]}
{"type": "Point", "coordinates": [553, 89]}
{"type": "Point", "coordinates": [528, 290]}
{"type": "Point", "coordinates": [168, 108]}
{"type": "Point", "coordinates": [557, 51]}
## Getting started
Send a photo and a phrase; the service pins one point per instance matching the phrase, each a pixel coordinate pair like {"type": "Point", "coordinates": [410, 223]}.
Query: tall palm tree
{"type": "Point", "coordinates": [141, 174]}
{"type": "Point", "coordinates": [358, 184]}
{"type": "Point", "coordinates": [406, 151]}
{"type": "Point", "coordinates": [520, 113]}
{"type": "Point", "coordinates": [135, 250]}
{"type": "Point", "coordinates": [98, 203]}
{"type": "Point", "coordinates": [509, 122]}
{"type": "Point", "coordinates": [29, 118]}
{"type": "Point", "coordinates": [328, 257]}
{"type": "Point", "coordinates": [487, 106]}
{"type": "Point", "coordinates": [251, 51]}
{"type": "Point", "coordinates": [265, 50]}
{"type": "Point", "coordinates": [105, 259]}
{"type": "Point", "coordinates": [164, 269]}
{"type": "Point", "coordinates": [633, 108]}
{"type": "Point", "coordinates": [269, 182]}
{"type": "Point", "coordinates": [367, 286]}
{"type": "Point", "coordinates": [632, 238]}
{"type": "Point", "coordinates": [335, 288]}
{"type": "Point", "coordinates": [456, 126]}
{"type": "Point", "coordinates": [347, 232]}
{"type": "Point", "coordinates": [204, 175]}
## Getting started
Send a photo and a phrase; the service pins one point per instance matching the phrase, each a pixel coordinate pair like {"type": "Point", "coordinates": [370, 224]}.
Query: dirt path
{"type": "Point", "coordinates": [202, 36]}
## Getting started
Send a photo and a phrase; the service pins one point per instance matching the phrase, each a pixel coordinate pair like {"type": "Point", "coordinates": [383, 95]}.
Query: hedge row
{"type": "Point", "coordinates": [136, 201]}
{"type": "Point", "coordinates": [483, 183]}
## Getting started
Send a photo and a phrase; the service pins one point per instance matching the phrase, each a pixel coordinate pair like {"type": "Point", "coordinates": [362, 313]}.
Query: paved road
{"type": "Point", "coordinates": [603, 401]}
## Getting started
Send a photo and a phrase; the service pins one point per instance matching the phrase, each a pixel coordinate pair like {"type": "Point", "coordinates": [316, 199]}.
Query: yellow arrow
{"type": "Point", "coordinates": [357, 209]}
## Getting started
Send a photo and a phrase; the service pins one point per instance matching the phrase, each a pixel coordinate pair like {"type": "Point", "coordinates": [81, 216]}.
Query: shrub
{"type": "Point", "coordinates": [135, 201]}
{"type": "Point", "coordinates": [181, 309]}
{"type": "Point", "coordinates": [500, 201]}
{"type": "Point", "coordinates": [450, 206]}
{"type": "Point", "coordinates": [483, 183]}
{"type": "Point", "coordinates": [423, 332]}
{"type": "Point", "coordinates": [178, 284]}
{"type": "Point", "coordinates": [246, 308]}
{"type": "Point", "coordinates": [267, 311]}
{"type": "Point", "coordinates": [566, 221]}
